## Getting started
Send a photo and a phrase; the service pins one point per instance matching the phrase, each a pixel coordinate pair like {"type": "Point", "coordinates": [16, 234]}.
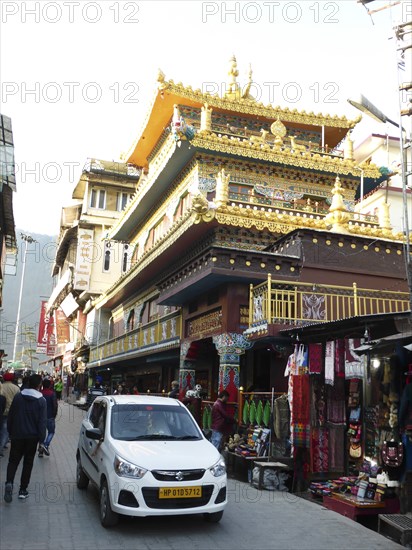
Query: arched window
{"type": "Point", "coordinates": [107, 255]}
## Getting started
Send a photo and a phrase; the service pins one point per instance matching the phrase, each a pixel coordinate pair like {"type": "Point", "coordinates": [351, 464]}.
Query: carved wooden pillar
{"type": "Point", "coordinates": [230, 346]}
{"type": "Point", "coordinates": [186, 370]}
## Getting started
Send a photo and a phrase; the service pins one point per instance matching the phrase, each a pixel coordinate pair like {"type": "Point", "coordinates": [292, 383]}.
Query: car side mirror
{"type": "Point", "coordinates": [94, 433]}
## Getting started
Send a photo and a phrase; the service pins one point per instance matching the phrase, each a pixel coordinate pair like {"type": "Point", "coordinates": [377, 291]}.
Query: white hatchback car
{"type": "Point", "coordinates": [148, 457]}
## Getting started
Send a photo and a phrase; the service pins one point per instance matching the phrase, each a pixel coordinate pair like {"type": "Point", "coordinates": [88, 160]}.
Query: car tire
{"type": "Point", "coordinates": [82, 481]}
{"type": "Point", "coordinates": [215, 517]}
{"type": "Point", "coordinates": [108, 518]}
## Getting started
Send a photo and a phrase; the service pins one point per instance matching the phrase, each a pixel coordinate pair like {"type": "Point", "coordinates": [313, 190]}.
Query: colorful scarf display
{"type": "Point", "coordinates": [354, 364]}
{"type": "Point", "coordinates": [330, 363]}
{"type": "Point", "coordinates": [336, 408]}
{"type": "Point", "coordinates": [301, 411]}
{"type": "Point", "coordinates": [340, 358]}
{"type": "Point", "coordinates": [315, 358]}
{"type": "Point", "coordinates": [320, 450]}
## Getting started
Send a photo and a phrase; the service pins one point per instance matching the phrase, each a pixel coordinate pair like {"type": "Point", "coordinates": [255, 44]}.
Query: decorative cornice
{"type": "Point", "coordinates": [282, 223]}
{"type": "Point", "coordinates": [251, 107]}
{"type": "Point", "coordinates": [287, 156]}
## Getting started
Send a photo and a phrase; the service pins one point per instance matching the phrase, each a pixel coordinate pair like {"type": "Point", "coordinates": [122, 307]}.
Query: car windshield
{"type": "Point", "coordinates": [132, 422]}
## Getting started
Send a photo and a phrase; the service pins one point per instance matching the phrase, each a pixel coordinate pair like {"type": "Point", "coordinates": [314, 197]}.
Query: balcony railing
{"type": "Point", "coordinates": [277, 302]}
{"type": "Point", "coordinates": [312, 210]}
{"type": "Point", "coordinates": [161, 330]}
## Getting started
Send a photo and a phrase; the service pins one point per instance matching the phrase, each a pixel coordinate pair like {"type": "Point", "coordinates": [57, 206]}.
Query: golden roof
{"type": "Point", "coordinates": [234, 100]}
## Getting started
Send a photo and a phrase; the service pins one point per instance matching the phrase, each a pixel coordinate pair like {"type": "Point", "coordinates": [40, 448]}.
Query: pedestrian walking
{"type": "Point", "coordinates": [51, 401]}
{"type": "Point", "coordinates": [26, 424]}
{"type": "Point", "coordinates": [58, 388]}
{"type": "Point", "coordinates": [9, 390]}
{"type": "Point", "coordinates": [222, 421]}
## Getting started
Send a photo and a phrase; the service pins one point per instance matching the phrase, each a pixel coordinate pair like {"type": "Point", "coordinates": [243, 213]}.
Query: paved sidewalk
{"type": "Point", "coordinates": [58, 516]}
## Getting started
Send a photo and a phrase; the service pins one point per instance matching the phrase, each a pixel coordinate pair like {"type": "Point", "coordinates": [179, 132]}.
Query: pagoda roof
{"type": "Point", "coordinates": [169, 93]}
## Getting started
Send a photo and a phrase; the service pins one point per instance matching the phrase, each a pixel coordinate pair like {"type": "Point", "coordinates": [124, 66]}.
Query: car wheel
{"type": "Point", "coordinates": [213, 518]}
{"type": "Point", "coordinates": [82, 481]}
{"type": "Point", "coordinates": [108, 518]}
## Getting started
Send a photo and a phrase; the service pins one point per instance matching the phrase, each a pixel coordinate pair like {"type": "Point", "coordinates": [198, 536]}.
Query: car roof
{"type": "Point", "coordinates": [140, 399]}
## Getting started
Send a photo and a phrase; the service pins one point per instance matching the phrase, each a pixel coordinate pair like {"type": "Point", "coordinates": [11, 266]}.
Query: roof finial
{"type": "Point", "coordinates": [233, 73]}
{"type": "Point", "coordinates": [338, 215]}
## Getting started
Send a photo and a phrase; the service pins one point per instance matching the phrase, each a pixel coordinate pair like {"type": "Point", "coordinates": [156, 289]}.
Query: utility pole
{"type": "Point", "coordinates": [28, 239]}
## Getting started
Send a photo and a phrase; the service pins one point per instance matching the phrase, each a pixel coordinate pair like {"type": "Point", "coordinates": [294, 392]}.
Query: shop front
{"type": "Point", "coordinates": [349, 432]}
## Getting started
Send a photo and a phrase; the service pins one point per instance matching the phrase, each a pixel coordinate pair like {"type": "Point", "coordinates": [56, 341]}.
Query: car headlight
{"type": "Point", "coordinates": [218, 469]}
{"type": "Point", "coordinates": [123, 468]}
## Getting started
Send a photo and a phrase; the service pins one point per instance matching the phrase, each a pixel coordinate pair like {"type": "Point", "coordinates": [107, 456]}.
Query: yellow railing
{"type": "Point", "coordinates": [163, 329]}
{"type": "Point", "coordinates": [274, 302]}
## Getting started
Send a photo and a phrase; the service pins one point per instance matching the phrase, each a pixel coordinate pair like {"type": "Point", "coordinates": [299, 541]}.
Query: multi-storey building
{"type": "Point", "coordinates": [7, 187]}
{"type": "Point", "coordinates": [86, 263]}
{"type": "Point", "coordinates": [242, 223]}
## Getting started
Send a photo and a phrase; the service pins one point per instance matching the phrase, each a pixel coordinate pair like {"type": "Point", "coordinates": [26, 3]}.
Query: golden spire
{"type": "Point", "coordinates": [206, 118]}
{"type": "Point", "coordinates": [348, 148]}
{"type": "Point", "coordinates": [222, 188]}
{"type": "Point", "coordinates": [338, 216]}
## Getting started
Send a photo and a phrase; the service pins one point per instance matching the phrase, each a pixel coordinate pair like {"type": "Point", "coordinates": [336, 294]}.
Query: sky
{"type": "Point", "coordinates": [77, 76]}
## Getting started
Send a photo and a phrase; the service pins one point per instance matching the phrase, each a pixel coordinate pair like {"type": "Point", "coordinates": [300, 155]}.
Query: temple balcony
{"type": "Point", "coordinates": [157, 335]}
{"type": "Point", "coordinates": [282, 303]}
{"type": "Point", "coordinates": [305, 208]}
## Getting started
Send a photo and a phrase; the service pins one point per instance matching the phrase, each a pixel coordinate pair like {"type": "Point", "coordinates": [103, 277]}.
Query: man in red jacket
{"type": "Point", "coordinates": [222, 421]}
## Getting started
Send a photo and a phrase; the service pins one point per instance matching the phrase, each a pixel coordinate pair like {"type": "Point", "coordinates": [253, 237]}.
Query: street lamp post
{"type": "Point", "coordinates": [28, 239]}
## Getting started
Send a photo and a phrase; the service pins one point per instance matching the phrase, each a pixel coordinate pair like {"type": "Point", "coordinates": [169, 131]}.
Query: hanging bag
{"type": "Point", "coordinates": [355, 450]}
{"type": "Point", "coordinates": [392, 454]}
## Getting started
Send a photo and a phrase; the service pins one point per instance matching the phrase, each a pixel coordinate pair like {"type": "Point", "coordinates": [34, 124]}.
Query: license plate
{"type": "Point", "coordinates": [180, 492]}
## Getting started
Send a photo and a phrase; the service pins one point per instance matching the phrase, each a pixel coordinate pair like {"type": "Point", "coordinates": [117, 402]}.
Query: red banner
{"type": "Point", "coordinates": [43, 335]}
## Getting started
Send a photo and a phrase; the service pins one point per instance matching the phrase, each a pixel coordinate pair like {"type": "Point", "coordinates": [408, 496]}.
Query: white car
{"type": "Point", "coordinates": [148, 457]}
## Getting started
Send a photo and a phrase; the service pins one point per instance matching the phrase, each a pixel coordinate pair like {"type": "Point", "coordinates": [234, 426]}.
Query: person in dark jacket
{"type": "Point", "coordinates": [174, 392]}
{"type": "Point", "coordinates": [222, 421]}
{"type": "Point", "coordinates": [51, 401]}
{"type": "Point", "coordinates": [26, 424]}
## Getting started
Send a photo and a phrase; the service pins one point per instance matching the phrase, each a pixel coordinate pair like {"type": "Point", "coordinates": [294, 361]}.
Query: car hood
{"type": "Point", "coordinates": [168, 455]}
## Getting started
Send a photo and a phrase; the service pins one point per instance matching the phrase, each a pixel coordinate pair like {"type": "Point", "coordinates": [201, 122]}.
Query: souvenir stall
{"type": "Point", "coordinates": [351, 419]}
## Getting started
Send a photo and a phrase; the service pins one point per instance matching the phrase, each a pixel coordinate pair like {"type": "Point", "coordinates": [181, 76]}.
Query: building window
{"type": "Point", "coordinates": [127, 257]}
{"type": "Point", "coordinates": [107, 255]}
{"type": "Point", "coordinates": [98, 199]}
{"type": "Point", "coordinates": [130, 320]}
{"type": "Point", "coordinates": [122, 200]}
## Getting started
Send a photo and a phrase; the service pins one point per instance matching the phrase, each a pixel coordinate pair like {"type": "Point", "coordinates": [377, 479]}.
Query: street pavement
{"type": "Point", "coordinates": [59, 516]}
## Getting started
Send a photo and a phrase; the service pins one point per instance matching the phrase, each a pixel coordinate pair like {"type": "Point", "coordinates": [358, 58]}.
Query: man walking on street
{"type": "Point", "coordinates": [51, 401]}
{"type": "Point", "coordinates": [58, 388]}
{"type": "Point", "coordinates": [222, 421]}
{"type": "Point", "coordinates": [26, 425]}
{"type": "Point", "coordinates": [9, 390]}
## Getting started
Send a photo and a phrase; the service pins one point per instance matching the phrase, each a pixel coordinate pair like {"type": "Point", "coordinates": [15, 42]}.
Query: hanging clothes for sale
{"type": "Point", "coordinates": [354, 363]}
{"type": "Point", "coordinates": [301, 411]}
{"type": "Point", "coordinates": [330, 363]}
{"type": "Point", "coordinates": [315, 358]}
{"type": "Point", "coordinates": [340, 358]}
{"type": "Point", "coordinates": [320, 450]}
{"type": "Point", "coordinates": [282, 417]}
{"type": "Point", "coordinates": [335, 409]}
{"type": "Point", "coordinates": [302, 360]}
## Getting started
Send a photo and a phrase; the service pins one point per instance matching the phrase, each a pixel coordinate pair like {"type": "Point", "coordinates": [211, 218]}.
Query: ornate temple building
{"type": "Point", "coordinates": [243, 223]}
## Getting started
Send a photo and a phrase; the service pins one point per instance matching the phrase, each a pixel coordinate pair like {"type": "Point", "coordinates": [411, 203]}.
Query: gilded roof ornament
{"type": "Point", "coordinates": [278, 128]}
{"type": "Point", "coordinates": [234, 91]}
{"type": "Point", "coordinates": [338, 216]}
{"type": "Point", "coordinates": [201, 209]}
